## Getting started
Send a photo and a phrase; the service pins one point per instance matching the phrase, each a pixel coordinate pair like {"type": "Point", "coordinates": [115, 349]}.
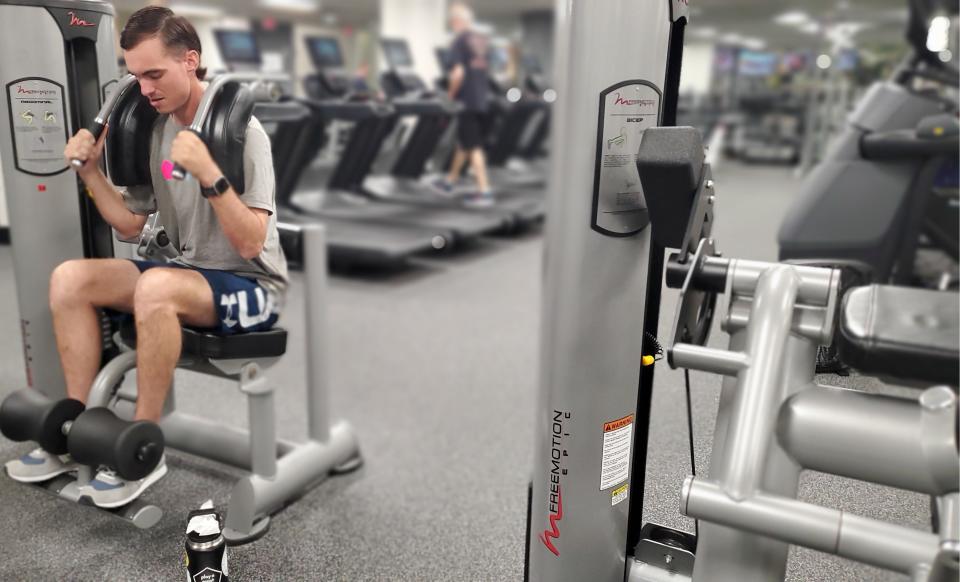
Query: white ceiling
{"type": "Point", "coordinates": [751, 18]}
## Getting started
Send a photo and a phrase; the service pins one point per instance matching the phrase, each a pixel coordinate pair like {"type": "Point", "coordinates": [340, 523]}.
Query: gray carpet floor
{"type": "Point", "coordinates": [436, 369]}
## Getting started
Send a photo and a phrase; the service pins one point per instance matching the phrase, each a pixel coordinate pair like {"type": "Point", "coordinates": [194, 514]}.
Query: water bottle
{"type": "Point", "coordinates": [206, 550]}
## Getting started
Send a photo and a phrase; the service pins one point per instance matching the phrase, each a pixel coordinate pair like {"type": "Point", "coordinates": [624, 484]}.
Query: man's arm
{"type": "Point", "coordinates": [111, 206]}
{"type": "Point", "coordinates": [455, 81]}
{"type": "Point", "coordinates": [109, 202]}
{"type": "Point", "coordinates": [245, 227]}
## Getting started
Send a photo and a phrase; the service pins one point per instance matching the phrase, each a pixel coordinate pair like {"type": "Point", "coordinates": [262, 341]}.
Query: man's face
{"type": "Point", "coordinates": [457, 22]}
{"type": "Point", "coordinates": [164, 76]}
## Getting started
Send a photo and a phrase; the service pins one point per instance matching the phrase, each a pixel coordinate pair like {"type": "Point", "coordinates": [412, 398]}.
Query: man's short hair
{"type": "Point", "coordinates": [462, 10]}
{"type": "Point", "coordinates": [176, 32]}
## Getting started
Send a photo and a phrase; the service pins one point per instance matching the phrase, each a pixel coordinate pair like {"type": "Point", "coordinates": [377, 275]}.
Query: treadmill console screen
{"type": "Point", "coordinates": [397, 53]}
{"type": "Point", "coordinates": [325, 52]}
{"type": "Point", "coordinates": [238, 46]}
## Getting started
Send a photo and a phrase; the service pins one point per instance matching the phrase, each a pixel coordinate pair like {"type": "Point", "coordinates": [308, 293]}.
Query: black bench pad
{"type": "Point", "coordinates": [902, 332]}
{"type": "Point", "coordinates": [250, 345]}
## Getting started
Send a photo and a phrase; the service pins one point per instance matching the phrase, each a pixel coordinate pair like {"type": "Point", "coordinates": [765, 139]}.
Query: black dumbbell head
{"type": "Point", "coordinates": [28, 415]}
{"type": "Point", "coordinates": [131, 448]}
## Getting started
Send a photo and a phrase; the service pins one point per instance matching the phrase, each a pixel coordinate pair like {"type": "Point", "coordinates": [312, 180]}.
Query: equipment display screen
{"type": "Point", "coordinates": [724, 59]}
{"type": "Point", "coordinates": [238, 46]}
{"type": "Point", "coordinates": [757, 64]}
{"type": "Point", "coordinates": [847, 60]}
{"type": "Point", "coordinates": [397, 53]}
{"type": "Point", "coordinates": [795, 62]}
{"type": "Point", "coordinates": [325, 52]}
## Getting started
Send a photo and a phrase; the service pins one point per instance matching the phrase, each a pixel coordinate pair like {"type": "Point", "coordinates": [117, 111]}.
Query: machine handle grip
{"type": "Point", "coordinates": [96, 128]}
{"type": "Point", "coordinates": [178, 173]}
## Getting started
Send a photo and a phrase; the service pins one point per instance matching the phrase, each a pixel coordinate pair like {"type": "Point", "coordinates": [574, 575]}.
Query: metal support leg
{"type": "Point", "coordinates": [263, 430]}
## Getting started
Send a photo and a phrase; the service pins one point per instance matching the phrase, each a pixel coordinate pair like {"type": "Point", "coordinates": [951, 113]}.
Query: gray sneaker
{"type": "Point", "coordinates": [39, 465]}
{"type": "Point", "coordinates": [479, 200]}
{"type": "Point", "coordinates": [108, 490]}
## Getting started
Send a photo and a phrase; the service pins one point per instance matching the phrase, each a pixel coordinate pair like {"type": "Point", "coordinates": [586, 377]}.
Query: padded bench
{"type": "Point", "coordinates": [249, 345]}
{"type": "Point", "coordinates": [902, 332]}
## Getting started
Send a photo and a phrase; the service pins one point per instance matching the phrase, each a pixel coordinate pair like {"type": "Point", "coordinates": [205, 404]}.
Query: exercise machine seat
{"type": "Point", "coordinates": [248, 345]}
{"type": "Point", "coordinates": [901, 332]}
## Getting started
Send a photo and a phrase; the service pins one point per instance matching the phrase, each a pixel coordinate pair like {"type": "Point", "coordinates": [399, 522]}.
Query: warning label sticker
{"type": "Point", "coordinates": [615, 468]}
{"type": "Point", "coordinates": [619, 494]}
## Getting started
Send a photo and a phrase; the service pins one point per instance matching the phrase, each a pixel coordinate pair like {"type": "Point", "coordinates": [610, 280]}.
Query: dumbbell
{"type": "Point", "coordinates": [92, 437]}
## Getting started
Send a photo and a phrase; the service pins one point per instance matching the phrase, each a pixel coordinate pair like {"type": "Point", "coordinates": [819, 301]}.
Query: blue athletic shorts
{"type": "Point", "coordinates": [242, 304]}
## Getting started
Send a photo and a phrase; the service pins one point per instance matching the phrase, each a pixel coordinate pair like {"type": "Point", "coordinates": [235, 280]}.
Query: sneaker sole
{"type": "Point", "coordinates": [154, 477]}
{"type": "Point", "coordinates": [40, 478]}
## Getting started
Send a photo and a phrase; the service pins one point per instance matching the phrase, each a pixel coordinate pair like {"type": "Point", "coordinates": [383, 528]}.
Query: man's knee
{"type": "Point", "coordinates": [155, 293]}
{"type": "Point", "coordinates": [69, 283]}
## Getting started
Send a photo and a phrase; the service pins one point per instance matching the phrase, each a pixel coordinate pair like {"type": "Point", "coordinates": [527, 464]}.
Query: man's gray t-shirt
{"type": "Point", "coordinates": [191, 222]}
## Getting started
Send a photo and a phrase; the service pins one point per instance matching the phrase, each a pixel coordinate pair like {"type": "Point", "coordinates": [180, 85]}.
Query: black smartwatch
{"type": "Point", "coordinates": [219, 187]}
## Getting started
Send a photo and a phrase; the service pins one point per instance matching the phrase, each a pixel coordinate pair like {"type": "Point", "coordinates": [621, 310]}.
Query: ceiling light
{"type": "Point", "coordinates": [705, 33]}
{"type": "Point", "coordinates": [809, 28]}
{"type": "Point", "coordinates": [938, 35]}
{"type": "Point", "coordinates": [792, 18]}
{"type": "Point", "coordinates": [754, 44]}
{"type": "Point", "coordinates": [196, 10]}
{"type": "Point", "coordinates": [302, 6]}
{"type": "Point", "coordinates": [731, 38]}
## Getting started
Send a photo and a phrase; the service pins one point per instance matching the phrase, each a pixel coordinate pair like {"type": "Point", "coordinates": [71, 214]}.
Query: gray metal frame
{"type": "Point", "coordinates": [773, 420]}
{"type": "Point", "coordinates": [46, 238]}
{"type": "Point", "coordinates": [594, 299]}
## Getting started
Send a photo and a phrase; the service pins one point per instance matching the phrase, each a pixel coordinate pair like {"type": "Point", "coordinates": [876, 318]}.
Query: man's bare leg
{"type": "Point", "coordinates": [164, 298]}
{"type": "Point", "coordinates": [77, 289]}
{"type": "Point", "coordinates": [478, 163]}
{"type": "Point", "coordinates": [456, 166]}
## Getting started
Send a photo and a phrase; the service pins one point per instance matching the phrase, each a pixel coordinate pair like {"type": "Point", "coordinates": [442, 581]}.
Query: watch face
{"type": "Point", "coordinates": [221, 185]}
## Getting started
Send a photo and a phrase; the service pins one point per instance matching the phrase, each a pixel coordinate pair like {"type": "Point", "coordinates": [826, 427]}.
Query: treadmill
{"type": "Point", "coordinates": [431, 115]}
{"type": "Point", "coordinates": [348, 243]}
{"type": "Point", "coordinates": [330, 90]}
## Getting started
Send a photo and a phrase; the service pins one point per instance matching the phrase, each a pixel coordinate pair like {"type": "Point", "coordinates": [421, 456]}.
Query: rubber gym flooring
{"type": "Point", "coordinates": [436, 369]}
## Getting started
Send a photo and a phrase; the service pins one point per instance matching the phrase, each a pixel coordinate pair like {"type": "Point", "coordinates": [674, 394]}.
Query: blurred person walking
{"type": "Point", "coordinates": [469, 84]}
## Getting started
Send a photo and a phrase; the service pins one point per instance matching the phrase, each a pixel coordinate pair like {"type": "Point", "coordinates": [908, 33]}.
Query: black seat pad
{"type": "Point", "coordinates": [906, 333]}
{"type": "Point", "coordinates": [205, 343]}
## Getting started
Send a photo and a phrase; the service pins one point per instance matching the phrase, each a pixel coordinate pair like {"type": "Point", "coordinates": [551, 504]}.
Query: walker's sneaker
{"type": "Point", "coordinates": [442, 186]}
{"type": "Point", "coordinates": [108, 490]}
{"type": "Point", "coordinates": [479, 200]}
{"type": "Point", "coordinates": [39, 465]}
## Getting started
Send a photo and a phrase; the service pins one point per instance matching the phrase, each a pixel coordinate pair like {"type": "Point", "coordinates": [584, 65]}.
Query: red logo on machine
{"type": "Point", "coordinates": [621, 101]}
{"type": "Point", "coordinates": [553, 533]}
{"type": "Point", "coordinates": [22, 91]}
{"type": "Point", "coordinates": [630, 102]}
{"type": "Point", "coordinates": [558, 471]}
{"type": "Point", "coordinates": [77, 21]}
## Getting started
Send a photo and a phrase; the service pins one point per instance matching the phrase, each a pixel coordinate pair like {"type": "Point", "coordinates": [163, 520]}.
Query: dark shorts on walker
{"type": "Point", "coordinates": [471, 129]}
{"type": "Point", "coordinates": [242, 304]}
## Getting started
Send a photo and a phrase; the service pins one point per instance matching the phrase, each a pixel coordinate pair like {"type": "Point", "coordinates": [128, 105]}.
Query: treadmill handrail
{"type": "Point", "coordinates": [904, 143]}
{"type": "Point", "coordinates": [349, 110]}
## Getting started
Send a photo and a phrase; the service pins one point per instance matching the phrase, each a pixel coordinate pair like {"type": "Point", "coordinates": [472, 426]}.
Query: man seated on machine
{"type": "Point", "coordinates": [230, 276]}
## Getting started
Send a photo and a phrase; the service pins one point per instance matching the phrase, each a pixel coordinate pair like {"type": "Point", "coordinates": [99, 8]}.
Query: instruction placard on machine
{"type": "Point", "coordinates": [626, 109]}
{"type": "Point", "coordinates": [38, 123]}
{"type": "Point", "coordinates": [617, 436]}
